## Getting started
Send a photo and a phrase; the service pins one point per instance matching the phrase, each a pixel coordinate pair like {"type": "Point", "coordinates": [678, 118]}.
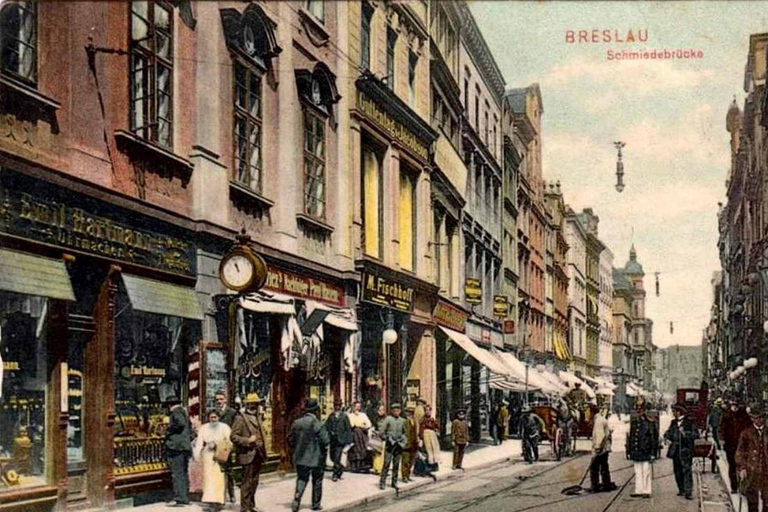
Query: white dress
{"type": "Point", "coordinates": [214, 485]}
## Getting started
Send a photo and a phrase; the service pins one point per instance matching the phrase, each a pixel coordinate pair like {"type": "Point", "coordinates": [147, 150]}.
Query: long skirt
{"type": "Point", "coordinates": [378, 460]}
{"type": "Point", "coordinates": [358, 454]}
{"type": "Point", "coordinates": [214, 484]}
{"type": "Point", "coordinates": [432, 445]}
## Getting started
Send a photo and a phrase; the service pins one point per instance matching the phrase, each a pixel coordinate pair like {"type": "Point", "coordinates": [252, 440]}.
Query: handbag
{"type": "Point", "coordinates": [222, 452]}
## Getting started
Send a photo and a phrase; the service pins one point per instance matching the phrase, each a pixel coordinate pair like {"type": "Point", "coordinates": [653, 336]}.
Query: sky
{"type": "Point", "coordinates": [670, 113]}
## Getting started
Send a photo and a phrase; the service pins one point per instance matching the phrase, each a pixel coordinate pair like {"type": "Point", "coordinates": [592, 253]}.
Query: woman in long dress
{"type": "Point", "coordinates": [429, 435]}
{"type": "Point", "coordinates": [358, 454]}
{"type": "Point", "coordinates": [210, 436]}
{"type": "Point", "coordinates": [378, 455]}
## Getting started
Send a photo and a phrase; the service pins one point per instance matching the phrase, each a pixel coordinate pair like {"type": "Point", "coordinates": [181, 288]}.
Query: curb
{"type": "Point", "coordinates": [453, 475]}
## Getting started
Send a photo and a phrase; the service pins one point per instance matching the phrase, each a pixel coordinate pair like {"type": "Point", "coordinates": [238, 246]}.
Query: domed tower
{"type": "Point", "coordinates": [733, 126]}
{"type": "Point", "coordinates": [634, 272]}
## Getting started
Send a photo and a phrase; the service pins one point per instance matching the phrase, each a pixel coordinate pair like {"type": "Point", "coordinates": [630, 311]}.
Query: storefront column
{"type": "Point", "coordinates": [57, 400]}
{"type": "Point", "coordinates": [391, 205]}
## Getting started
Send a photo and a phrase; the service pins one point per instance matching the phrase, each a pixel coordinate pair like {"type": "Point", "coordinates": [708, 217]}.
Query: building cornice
{"type": "Point", "coordinates": [480, 53]}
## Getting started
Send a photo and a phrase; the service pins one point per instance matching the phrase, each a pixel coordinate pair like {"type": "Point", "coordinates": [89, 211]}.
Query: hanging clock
{"type": "Point", "coordinates": [243, 270]}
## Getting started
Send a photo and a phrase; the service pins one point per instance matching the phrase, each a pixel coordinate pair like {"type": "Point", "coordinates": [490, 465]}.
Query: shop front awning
{"type": "Point", "coordinates": [162, 298]}
{"type": "Point", "coordinates": [34, 275]}
{"type": "Point", "coordinates": [268, 303]}
{"type": "Point", "coordinates": [535, 379]}
{"type": "Point", "coordinates": [342, 318]}
{"type": "Point", "coordinates": [571, 380]}
{"type": "Point", "coordinates": [552, 379]}
{"type": "Point", "coordinates": [604, 392]}
{"type": "Point", "coordinates": [341, 322]}
{"type": "Point", "coordinates": [480, 354]}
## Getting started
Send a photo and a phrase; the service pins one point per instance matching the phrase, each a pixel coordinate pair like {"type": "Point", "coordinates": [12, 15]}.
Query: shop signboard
{"type": "Point", "coordinates": [509, 327]}
{"type": "Point", "coordinates": [282, 281]}
{"type": "Point", "coordinates": [387, 292]}
{"type": "Point", "coordinates": [450, 316]}
{"type": "Point", "coordinates": [412, 392]}
{"type": "Point", "coordinates": [43, 212]}
{"type": "Point", "coordinates": [500, 306]}
{"type": "Point", "coordinates": [473, 291]}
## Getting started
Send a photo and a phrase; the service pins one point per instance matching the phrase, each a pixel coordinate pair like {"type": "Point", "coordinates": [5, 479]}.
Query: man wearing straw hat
{"type": "Point", "coordinates": [752, 459]}
{"type": "Point", "coordinates": [248, 437]}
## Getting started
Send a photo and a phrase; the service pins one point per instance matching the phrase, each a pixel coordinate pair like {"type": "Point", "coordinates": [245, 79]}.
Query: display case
{"type": "Point", "coordinates": [207, 374]}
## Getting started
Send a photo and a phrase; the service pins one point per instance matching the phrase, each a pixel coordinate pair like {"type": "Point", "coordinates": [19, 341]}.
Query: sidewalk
{"type": "Point", "coordinates": [722, 465]}
{"type": "Point", "coordinates": [276, 493]}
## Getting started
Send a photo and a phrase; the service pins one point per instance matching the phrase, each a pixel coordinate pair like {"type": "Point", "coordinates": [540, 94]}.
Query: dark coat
{"type": "Point", "coordinates": [732, 425]}
{"type": "Point", "coordinates": [339, 429]}
{"type": "Point", "coordinates": [178, 436]}
{"type": "Point", "coordinates": [309, 439]}
{"type": "Point", "coordinates": [682, 439]}
{"type": "Point", "coordinates": [411, 434]}
{"type": "Point", "coordinates": [752, 456]}
{"type": "Point", "coordinates": [228, 416]}
{"type": "Point", "coordinates": [245, 426]}
{"type": "Point", "coordinates": [643, 439]}
{"type": "Point", "coordinates": [460, 431]}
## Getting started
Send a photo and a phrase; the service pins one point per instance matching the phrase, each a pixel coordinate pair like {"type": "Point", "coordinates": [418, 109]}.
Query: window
{"type": "Point", "coordinates": [314, 164]}
{"type": "Point", "coordinates": [466, 96]}
{"type": "Point", "coordinates": [152, 72]}
{"type": "Point", "coordinates": [477, 109]}
{"type": "Point", "coordinates": [371, 201]}
{"type": "Point", "coordinates": [413, 61]}
{"type": "Point", "coordinates": [247, 137]}
{"type": "Point", "coordinates": [365, 36]}
{"type": "Point", "coordinates": [487, 125]}
{"type": "Point", "coordinates": [437, 247]}
{"type": "Point", "coordinates": [18, 30]}
{"type": "Point", "coordinates": [23, 435]}
{"type": "Point", "coordinates": [391, 43]}
{"type": "Point", "coordinates": [407, 220]}
{"type": "Point", "coordinates": [316, 8]}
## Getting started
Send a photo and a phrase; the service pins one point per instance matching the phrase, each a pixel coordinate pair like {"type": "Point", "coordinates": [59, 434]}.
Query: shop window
{"type": "Point", "coordinates": [391, 43]}
{"type": "Point", "coordinates": [371, 201]}
{"type": "Point", "coordinates": [314, 164]}
{"type": "Point", "coordinates": [152, 72]}
{"type": "Point", "coordinates": [18, 33]}
{"type": "Point", "coordinates": [150, 367]}
{"type": "Point", "coordinates": [365, 35]}
{"type": "Point", "coordinates": [23, 346]}
{"type": "Point", "coordinates": [407, 220]}
{"type": "Point", "coordinates": [247, 139]}
{"type": "Point", "coordinates": [316, 8]}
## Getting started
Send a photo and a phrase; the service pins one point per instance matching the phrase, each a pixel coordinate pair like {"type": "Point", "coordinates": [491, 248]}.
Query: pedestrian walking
{"type": "Point", "coordinates": [502, 421]}
{"type": "Point", "coordinates": [358, 454]}
{"type": "Point", "coordinates": [376, 441]}
{"type": "Point", "coordinates": [602, 437]}
{"type": "Point", "coordinates": [681, 435]}
{"type": "Point", "coordinates": [752, 460]}
{"type": "Point", "coordinates": [428, 432]}
{"type": "Point", "coordinates": [227, 416]}
{"type": "Point", "coordinates": [178, 446]}
{"type": "Point", "coordinates": [309, 440]}
{"type": "Point", "coordinates": [642, 446]}
{"type": "Point", "coordinates": [714, 419]}
{"type": "Point", "coordinates": [530, 432]}
{"type": "Point", "coordinates": [735, 421]}
{"type": "Point", "coordinates": [393, 435]}
{"type": "Point", "coordinates": [248, 438]}
{"type": "Point", "coordinates": [411, 444]}
{"type": "Point", "coordinates": [493, 420]}
{"type": "Point", "coordinates": [340, 435]}
{"type": "Point", "coordinates": [212, 445]}
{"type": "Point", "coordinates": [460, 437]}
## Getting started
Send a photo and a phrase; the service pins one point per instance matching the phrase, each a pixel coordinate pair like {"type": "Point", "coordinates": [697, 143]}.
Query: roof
{"type": "Point", "coordinates": [633, 267]}
{"type": "Point", "coordinates": [619, 281]}
{"type": "Point", "coordinates": [516, 99]}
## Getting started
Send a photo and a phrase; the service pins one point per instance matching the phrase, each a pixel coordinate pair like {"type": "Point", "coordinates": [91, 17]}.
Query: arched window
{"type": "Point", "coordinates": [18, 33]}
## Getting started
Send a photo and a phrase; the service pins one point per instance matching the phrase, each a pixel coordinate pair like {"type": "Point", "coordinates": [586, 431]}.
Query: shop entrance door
{"type": "Point", "coordinates": [81, 330]}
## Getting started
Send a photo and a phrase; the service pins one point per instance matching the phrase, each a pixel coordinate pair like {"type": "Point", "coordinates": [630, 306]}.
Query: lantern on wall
{"type": "Point", "coordinates": [750, 363]}
{"type": "Point", "coordinates": [619, 167]}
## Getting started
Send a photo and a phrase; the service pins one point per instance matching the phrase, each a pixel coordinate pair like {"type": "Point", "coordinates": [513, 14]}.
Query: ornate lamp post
{"type": "Point", "coordinates": [619, 167]}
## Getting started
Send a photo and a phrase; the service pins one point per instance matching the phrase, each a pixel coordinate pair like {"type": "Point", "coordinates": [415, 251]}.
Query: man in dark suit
{"type": "Point", "coordinates": [752, 459]}
{"type": "Point", "coordinates": [178, 446]}
{"type": "Point", "coordinates": [309, 440]}
{"type": "Point", "coordinates": [227, 416]}
{"type": "Point", "coordinates": [248, 436]}
{"type": "Point", "coordinates": [411, 444]}
{"type": "Point", "coordinates": [340, 434]}
{"type": "Point", "coordinates": [681, 434]}
{"type": "Point", "coordinates": [642, 445]}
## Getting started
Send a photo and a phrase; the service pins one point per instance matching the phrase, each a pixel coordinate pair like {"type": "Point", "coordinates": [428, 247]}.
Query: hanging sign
{"type": "Point", "coordinates": [473, 291]}
{"type": "Point", "coordinates": [500, 306]}
{"type": "Point", "coordinates": [450, 316]}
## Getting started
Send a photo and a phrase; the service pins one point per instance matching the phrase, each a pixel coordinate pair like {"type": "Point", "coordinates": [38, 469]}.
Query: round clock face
{"type": "Point", "coordinates": [237, 271]}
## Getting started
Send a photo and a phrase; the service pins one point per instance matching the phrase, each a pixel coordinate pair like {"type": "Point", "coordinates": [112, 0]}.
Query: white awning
{"type": "Point", "coordinates": [604, 392]}
{"type": "Point", "coordinates": [272, 303]}
{"type": "Point", "coordinates": [21, 272]}
{"type": "Point", "coordinates": [342, 318]}
{"type": "Point", "coordinates": [483, 356]}
{"type": "Point", "coordinates": [339, 321]}
{"type": "Point", "coordinates": [552, 379]}
{"type": "Point", "coordinates": [162, 298]}
{"type": "Point", "coordinates": [535, 379]}
{"type": "Point", "coordinates": [571, 380]}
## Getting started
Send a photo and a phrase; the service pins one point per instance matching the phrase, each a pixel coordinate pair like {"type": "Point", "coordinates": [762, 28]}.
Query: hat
{"type": "Point", "coordinates": [577, 384]}
{"type": "Point", "coordinates": [410, 408]}
{"type": "Point", "coordinates": [395, 406]}
{"type": "Point", "coordinates": [461, 410]}
{"type": "Point", "coordinates": [312, 405]}
{"type": "Point", "coordinates": [172, 400]}
{"type": "Point", "coordinates": [338, 402]}
{"type": "Point", "coordinates": [756, 410]}
{"type": "Point", "coordinates": [253, 398]}
{"type": "Point", "coordinates": [719, 401]}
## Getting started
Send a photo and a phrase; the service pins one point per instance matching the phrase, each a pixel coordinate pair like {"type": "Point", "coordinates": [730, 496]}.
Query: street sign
{"type": "Point", "coordinates": [500, 306]}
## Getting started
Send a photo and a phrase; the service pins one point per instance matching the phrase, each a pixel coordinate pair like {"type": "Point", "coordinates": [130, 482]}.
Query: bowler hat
{"type": "Point", "coordinates": [756, 410]}
{"type": "Point", "coordinates": [172, 400]}
{"type": "Point", "coordinates": [312, 405]}
{"type": "Point", "coordinates": [252, 398]}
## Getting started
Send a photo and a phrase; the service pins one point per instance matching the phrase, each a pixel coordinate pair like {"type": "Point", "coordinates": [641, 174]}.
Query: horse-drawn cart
{"type": "Point", "coordinates": [695, 402]}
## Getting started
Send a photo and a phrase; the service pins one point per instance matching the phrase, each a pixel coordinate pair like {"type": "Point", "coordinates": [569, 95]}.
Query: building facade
{"type": "Point", "coordinates": [678, 367]}
{"type": "Point", "coordinates": [605, 314]}
{"type": "Point", "coordinates": [557, 277]}
{"type": "Point", "coordinates": [576, 238]}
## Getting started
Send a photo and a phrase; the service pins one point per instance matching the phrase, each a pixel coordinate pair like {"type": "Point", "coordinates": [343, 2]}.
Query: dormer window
{"type": "Point", "coordinates": [251, 34]}
{"type": "Point", "coordinates": [316, 8]}
{"type": "Point", "coordinates": [18, 33]}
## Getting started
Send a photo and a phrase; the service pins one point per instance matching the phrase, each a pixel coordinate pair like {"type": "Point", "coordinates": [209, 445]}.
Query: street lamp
{"type": "Point", "coordinates": [750, 363]}
{"type": "Point", "coordinates": [389, 336]}
{"type": "Point", "coordinates": [619, 167]}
